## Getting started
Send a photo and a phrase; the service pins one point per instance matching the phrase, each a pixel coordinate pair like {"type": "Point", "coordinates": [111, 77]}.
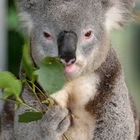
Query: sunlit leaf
{"type": "Point", "coordinates": [30, 116]}
{"type": "Point", "coordinates": [10, 84]}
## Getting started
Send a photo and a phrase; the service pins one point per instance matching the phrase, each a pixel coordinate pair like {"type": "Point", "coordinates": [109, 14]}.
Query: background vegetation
{"type": "Point", "coordinates": [126, 41]}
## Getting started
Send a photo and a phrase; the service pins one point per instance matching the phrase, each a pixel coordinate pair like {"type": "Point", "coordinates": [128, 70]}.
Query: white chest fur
{"type": "Point", "coordinates": [75, 95]}
{"type": "Point", "coordinates": [83, 125]}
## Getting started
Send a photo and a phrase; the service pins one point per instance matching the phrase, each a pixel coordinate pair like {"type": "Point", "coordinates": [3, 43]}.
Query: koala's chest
{"type": "Point", "coordinates": [75, 97]}
{"type": "Point", "coordinates": [83, 125]}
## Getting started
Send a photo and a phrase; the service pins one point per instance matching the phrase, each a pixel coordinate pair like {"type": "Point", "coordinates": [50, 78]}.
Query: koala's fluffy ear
{"type": "Point", "coordinates": [117, 12]}
{"type": "Point", "coordinates": [25, 4]}
{"type": "Point", "coordinates": [25, 9]}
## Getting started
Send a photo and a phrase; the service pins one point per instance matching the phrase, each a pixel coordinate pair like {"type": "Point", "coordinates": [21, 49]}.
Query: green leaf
{"type": "Point", "coordinates": [51, 75]}
{"type": "Point", "coordinates": [27, 63]}
{"type": "Point", "coordinates": [10, 84]}
{"type": "Point", "coordinates": [30, 116]}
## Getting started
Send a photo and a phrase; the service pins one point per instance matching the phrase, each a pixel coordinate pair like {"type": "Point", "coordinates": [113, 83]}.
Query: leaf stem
{"type": "Point", "coordinates": [33, 90]}
{"type": "Point", "coordinates": [9, 100]}
{"type": "Point", "coordinates": [20, 102]}
{"type": "Point", "coordinates": [45, 95]}
{"type": "Point", "coordinates": [31, 108]}
{"type": "Point", "coordinates": [26, 105]}
{"type": "Point", "coordinates": [65, 137]}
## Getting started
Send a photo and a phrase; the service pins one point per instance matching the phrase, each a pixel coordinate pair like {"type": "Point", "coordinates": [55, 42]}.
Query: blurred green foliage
{"type": "Point", "coordinates": [15, 39]}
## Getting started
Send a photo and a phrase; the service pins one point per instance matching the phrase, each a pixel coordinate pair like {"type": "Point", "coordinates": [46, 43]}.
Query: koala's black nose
{"type": "Point", "coordinates": [67, 61]}
{"type": "Point", "coordinates": [67, 42]}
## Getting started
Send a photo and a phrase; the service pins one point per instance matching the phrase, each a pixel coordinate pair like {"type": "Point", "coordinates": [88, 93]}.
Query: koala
{"type": "Point", "coordinates": [94, 103]}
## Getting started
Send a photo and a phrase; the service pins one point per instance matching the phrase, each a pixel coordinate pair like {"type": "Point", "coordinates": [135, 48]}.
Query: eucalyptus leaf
{"type": "Point", "coordinates": [10, 84]}
{"type": "Point", "coordinates": [30, 116]}
{"type": "Point", "coordinates": [51, 75]}
{"type": "Point", "coordinates": [27, 63]}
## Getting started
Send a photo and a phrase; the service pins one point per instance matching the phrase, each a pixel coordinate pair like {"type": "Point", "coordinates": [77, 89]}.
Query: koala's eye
{"type": "Point", "coordinates": [47, 35]}
{"type": "Point", "coordinates": [88, 34]}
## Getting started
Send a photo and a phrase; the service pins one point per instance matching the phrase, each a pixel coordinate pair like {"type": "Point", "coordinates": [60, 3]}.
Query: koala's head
{"type": "Point", "coordinates": [75, 30]}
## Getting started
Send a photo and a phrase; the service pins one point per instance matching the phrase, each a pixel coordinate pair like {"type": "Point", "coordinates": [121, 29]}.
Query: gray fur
{"type": "Point", "coordinates": [111, 107]}
{"type": "Point", "coordinates": [115, 119]}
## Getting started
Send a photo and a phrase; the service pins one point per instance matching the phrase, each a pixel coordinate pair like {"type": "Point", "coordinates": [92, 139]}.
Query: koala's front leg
{"type": "Point", "coordinates": [51, 127]}
{"type": "Point", "coordinates": [54, 123]}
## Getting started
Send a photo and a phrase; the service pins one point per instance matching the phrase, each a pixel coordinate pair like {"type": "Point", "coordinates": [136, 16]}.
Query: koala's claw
{"type": "Point", "coordinates": [56, 120]}
{"type": "Point", "coordinates": [63, 125]}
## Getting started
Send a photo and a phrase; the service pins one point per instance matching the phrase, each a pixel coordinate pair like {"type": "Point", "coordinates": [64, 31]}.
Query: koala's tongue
{"type": "Point", "coordinates": [70, 68]}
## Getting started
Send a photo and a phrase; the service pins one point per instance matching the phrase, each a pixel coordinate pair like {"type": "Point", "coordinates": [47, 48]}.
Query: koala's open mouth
{"type": "Point", "coordinates": [70, 68]}
{"type": "Point", "coordinates": [73, 70]}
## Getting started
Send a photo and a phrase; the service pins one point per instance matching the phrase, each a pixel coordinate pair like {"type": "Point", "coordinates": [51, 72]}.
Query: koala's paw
{"type": "Point", "coordinates": [55, 122]}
